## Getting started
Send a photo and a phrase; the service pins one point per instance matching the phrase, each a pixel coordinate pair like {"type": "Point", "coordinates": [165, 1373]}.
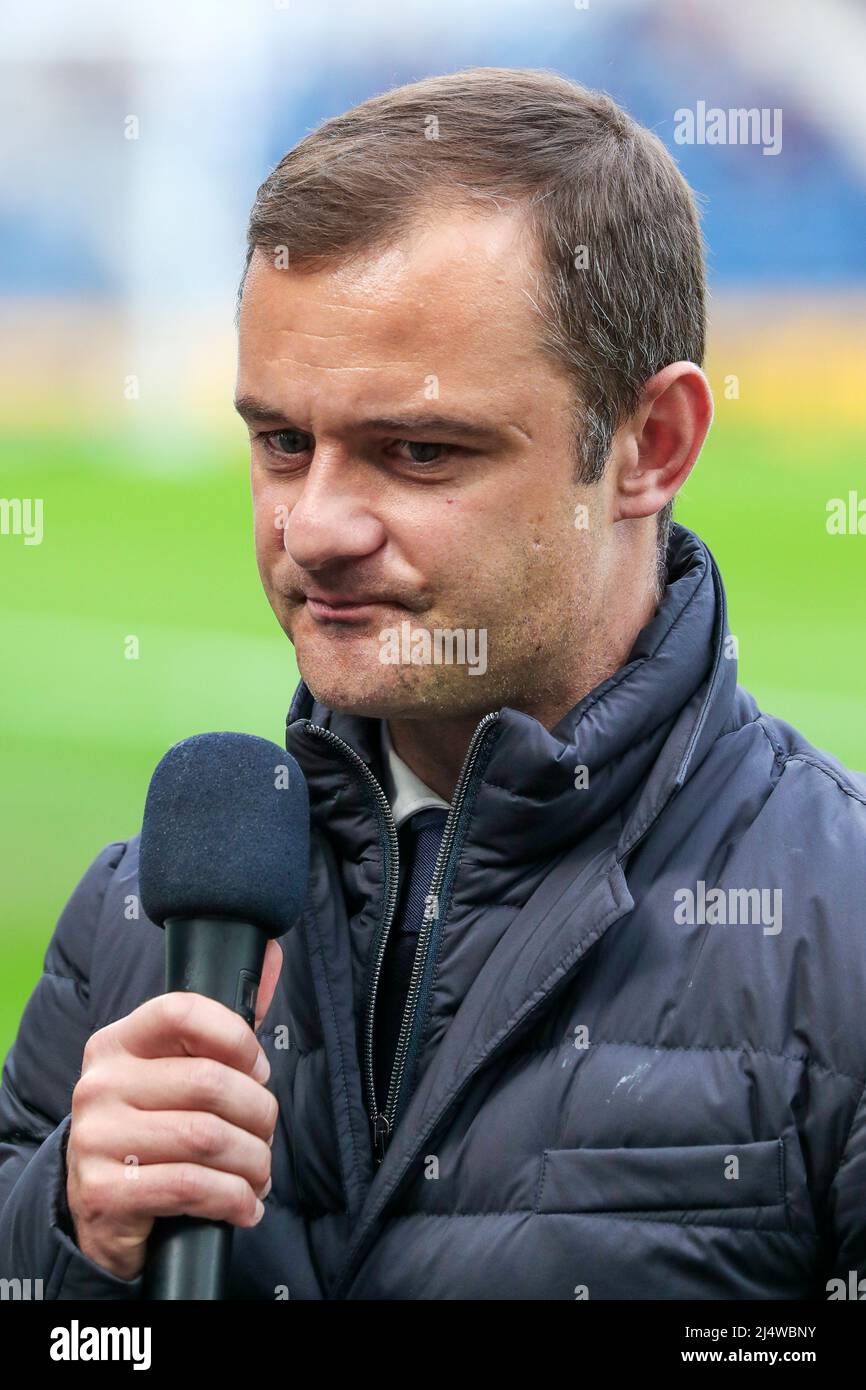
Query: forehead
{"type": "Point", "coordinates": [455, 298]}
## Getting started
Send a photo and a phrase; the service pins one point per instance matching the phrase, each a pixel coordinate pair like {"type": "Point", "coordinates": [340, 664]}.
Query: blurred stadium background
{"type": "Point", "coordinates": [119, 260]}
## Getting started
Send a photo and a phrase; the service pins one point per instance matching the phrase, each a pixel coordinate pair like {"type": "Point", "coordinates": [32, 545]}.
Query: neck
{"type": "Point", "coordinates": [435, 748]}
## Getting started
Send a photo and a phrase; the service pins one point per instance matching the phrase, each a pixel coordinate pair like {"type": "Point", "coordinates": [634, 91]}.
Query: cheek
{"type": "Point", "coordinates": [269, 519]}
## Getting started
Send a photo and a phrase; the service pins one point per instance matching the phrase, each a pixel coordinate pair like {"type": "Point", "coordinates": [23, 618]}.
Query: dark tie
{"type": "Point", "coordinates": [420, 840]}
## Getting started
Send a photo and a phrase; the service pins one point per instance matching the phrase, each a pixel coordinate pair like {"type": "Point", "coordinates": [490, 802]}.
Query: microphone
{"type": "Point", "coordinates": [223, 869]}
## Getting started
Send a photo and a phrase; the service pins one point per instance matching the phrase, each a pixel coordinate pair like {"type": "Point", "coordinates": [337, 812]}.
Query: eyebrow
{"type": "Point", "coordinates": [444, 426]}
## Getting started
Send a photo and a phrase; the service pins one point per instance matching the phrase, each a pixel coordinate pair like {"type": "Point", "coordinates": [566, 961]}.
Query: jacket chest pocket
{"type": "Point", "coordinates": [700, 1184]}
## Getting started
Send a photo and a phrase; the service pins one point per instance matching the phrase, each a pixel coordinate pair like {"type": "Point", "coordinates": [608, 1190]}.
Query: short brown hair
{"type": "Point", "coordinates": [621, 287]}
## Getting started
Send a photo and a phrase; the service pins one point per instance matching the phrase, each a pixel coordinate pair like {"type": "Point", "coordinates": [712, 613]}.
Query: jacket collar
{"type": "Point", "coordinates": [639, 734]}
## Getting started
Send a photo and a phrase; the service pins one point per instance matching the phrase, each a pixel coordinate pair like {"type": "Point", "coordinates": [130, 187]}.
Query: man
{"type": "Point", "coordinates": [574, 1007]}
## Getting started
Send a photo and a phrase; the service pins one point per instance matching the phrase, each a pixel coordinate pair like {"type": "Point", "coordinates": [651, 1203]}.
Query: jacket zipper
{"type": "Point", "coordinates": [383, 1121]}
{"type": "Point", "coordinates": [431, 918]}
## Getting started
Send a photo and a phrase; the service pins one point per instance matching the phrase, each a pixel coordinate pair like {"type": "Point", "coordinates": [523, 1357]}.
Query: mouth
{"type": "Point", "coordinates": [339, 611]}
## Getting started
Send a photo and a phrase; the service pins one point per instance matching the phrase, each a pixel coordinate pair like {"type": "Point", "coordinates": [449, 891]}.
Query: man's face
{"type": "Point", "coordinates": [466, 526]}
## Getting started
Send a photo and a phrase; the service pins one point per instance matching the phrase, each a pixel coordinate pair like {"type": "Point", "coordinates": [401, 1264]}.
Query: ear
{"type": "Point", "coordinates": [662, 440]}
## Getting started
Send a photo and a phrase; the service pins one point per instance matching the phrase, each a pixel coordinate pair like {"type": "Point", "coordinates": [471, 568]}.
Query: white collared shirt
{"type": "Point", "coordinates": [405, 791]}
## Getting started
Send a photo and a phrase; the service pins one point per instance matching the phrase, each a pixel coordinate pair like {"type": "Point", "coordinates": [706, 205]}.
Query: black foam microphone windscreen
{"type": "Point", "coordinates": [226, 833]}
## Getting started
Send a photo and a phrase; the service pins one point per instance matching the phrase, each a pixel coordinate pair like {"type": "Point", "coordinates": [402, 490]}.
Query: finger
{"type": "Point", "coordinates": [270, 976]}
{"type": "Point", "coordinates": [177, 1136]}
{"type": "Point", "coordinates": [168, 1189]}
{"type": "Point", "coordinates": [178, 1083]}
{"type": "Point", "coordinates": [182, 1024]}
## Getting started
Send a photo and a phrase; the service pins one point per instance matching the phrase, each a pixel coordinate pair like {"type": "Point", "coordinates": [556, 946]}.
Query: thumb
{"type": "Point", "coordinates": [271, 969]}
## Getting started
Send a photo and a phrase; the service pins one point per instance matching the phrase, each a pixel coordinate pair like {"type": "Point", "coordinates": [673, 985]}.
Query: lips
{"type": "Point", "coordinates": [342, 610]}
{"type": "Point", "coordinates": [337, 601]}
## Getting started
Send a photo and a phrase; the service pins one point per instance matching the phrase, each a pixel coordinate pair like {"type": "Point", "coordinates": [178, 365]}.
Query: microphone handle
{"type": "Point", "coordinates": [188, 1257]}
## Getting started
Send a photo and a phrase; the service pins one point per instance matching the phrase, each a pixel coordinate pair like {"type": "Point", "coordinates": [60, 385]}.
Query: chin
{"type": "Point", "coordinates": [390, 692]}
{"type": "Point", "coordinates": [354, 687]}
{"type": "Point", "coordinates": [349, 699]}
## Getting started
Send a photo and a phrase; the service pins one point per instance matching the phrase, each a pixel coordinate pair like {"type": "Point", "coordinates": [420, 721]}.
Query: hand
{"type": "Point", "coordinates": [170, 1117]}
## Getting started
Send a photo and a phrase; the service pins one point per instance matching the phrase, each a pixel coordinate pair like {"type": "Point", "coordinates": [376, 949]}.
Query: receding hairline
{"type": "Point", "coordinates": [411, 220]}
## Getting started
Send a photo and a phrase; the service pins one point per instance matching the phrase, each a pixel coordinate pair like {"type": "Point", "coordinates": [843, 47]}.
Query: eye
{"type": "Point", "coordinates": [423, 454]}
{"type": "Point", "coordinates": [422, 448]}
{"type": "Point", "coordinates": [286, 443]}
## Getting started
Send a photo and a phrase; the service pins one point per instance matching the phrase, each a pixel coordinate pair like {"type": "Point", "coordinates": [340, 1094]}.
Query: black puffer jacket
{"type": "Point", "coordinates": [637, 1056]}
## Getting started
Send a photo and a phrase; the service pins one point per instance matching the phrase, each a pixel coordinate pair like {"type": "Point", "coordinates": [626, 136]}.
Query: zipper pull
{"type": "Point", "coordinates": [381, 1135]}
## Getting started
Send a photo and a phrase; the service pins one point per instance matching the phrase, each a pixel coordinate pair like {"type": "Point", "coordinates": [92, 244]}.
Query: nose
{"type": "Point", "coordinates": [334, 517]}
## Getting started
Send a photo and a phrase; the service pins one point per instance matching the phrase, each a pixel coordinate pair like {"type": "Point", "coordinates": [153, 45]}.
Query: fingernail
{"type": "Point", "coordinates": [260, 1211]}
{"type": "Point", "coordinates": [271, 1141]}
{"type": "Point", "coordinates": [267, 1189]}
{"type": "Point", "coordinates": [262, 1068]}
